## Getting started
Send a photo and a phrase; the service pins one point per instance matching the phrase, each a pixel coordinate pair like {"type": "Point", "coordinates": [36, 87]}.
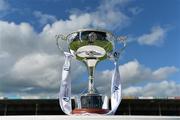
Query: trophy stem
{"type": "Point", "coordinates": [91, 80]}
{"type": "Point", "coordinates": [91, 63]}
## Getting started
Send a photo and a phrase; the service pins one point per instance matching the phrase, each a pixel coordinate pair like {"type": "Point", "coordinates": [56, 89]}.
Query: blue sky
{"type": "Point", "coordinates": [30, 62]}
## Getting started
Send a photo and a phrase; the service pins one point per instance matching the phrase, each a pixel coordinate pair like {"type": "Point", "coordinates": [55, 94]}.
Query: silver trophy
{"type": "Point", "coordinates": [90, 46]}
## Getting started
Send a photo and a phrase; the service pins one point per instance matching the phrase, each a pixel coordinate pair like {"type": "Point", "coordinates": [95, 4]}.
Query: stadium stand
{"type": "Point", "coordinates": [128, 106]}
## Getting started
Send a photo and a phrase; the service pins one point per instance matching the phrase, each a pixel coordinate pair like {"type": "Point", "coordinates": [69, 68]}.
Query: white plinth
{"type": "Point", "coordinates": [63, 117]}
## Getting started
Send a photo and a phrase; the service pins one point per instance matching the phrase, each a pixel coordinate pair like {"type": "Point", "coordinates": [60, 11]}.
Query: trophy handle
{"type": "Point", "coordinates": [65, 86]}
{"type": "Point", "coordinates": [122, 39]}
{"type": "Point", "coordinates": [60, 37]}
{"type": "Point", "coordinates": [117, 52]}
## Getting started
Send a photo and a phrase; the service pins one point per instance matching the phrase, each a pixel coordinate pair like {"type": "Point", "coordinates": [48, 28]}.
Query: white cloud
{"type": "Point", "coordinates": [163, 73]}
{"type": "Point", "coordinates": [73, 23]}
{"type": "Point", "coordinates": [4, 63]}
{"type": "Point", "coordinates": [32, 74]}
{"type": "Point", "coordinates": [40, 69]}
{"type": "Point", "coordinates": [160, 89]}
{"type": "Point", "coordinates": [133, 73]}
{"type": "Point", "coordinates": [3, 5]}
{"type": "Point", "coordinates": [109, 19]}
{"type": "Point", "coordinates": [132, 91]}
{"type": "Point", "coordinates": [17, 39]}
{"type": "Point", "coordinates": [44, 18]}
{"type": "Point", "coordinates": [155, 37]}
{"type": "Point", "coordinates": [108, 15]}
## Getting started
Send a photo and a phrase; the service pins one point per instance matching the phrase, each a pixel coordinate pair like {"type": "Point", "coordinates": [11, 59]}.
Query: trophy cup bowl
{"type": "Point", "coordinates": [89, 46]}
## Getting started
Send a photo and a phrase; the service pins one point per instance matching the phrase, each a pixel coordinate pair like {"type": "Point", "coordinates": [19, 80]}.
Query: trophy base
{"type": "Point", "coordinates": [91, 101]}
{"type": "Point", "coordinates": [90, 110]}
